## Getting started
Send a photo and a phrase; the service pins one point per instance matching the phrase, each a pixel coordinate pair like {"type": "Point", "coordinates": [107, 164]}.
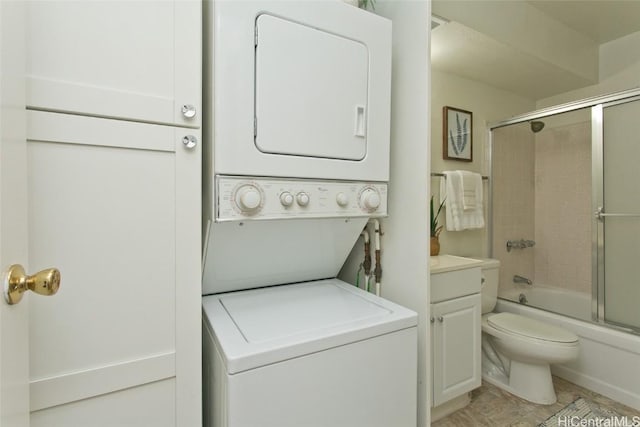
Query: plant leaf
{"type": "Point", "coordinates": [453, 143]}
{"type": "Point", "coordinates": [459, 142]}
{"type": "Point", "coordinates": [434, 229]}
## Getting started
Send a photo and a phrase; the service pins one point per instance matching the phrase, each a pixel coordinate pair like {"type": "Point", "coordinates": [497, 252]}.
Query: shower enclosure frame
{"type": "Point", "coordinates": [597, 105]}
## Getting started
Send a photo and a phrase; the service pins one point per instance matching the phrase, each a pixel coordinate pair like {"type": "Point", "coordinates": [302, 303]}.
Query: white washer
{"type": "Point", "coordinates": [320, 353]}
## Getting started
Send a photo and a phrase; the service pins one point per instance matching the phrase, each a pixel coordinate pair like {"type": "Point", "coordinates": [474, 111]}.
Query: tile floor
{"type": "Point", "coordinates": [492, 407]}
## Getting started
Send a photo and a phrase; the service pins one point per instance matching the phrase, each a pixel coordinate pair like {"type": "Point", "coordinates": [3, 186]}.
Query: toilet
{"type": "Point", "coordinates": [517, 351]}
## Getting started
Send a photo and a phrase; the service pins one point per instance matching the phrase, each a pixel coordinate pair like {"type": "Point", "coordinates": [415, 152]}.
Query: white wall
{"type": "Point", "coordinates": [488, 104]}
{"type": "Point", "coordinates": [406, 234]}
{"type": "Point", "coordinates": [619, 70]}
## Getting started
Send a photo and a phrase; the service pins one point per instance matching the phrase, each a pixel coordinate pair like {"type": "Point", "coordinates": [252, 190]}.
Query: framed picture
{"type": "Point", "coordinates": [457, 138]}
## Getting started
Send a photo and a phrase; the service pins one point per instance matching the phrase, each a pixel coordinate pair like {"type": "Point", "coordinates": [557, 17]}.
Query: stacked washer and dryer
{"type": "Point", "coordinates": [297, 162]}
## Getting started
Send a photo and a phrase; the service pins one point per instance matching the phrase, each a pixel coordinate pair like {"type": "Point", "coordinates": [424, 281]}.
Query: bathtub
{"type": "Point", "coordinates": [562, 301]}
{"type": "Point", "coordinates": [609, 360]}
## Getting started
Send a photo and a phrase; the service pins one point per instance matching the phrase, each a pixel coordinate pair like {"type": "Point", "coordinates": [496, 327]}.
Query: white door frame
{"type": "Point", "coordinates": [14, 328]}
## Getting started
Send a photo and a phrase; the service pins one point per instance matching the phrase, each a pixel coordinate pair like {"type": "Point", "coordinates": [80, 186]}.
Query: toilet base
{"type": "Point", "coordinates": [527, 381]}
{"type": "Point", "coordinates": [533, 381]}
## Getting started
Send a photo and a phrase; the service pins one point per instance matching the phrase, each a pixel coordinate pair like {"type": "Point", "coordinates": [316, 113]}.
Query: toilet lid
{"type": "Point", "coordinates": [520, 325]}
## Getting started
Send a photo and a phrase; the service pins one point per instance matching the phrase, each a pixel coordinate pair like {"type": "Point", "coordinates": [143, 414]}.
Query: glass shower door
{"type": "Point", "coordinates": [618, 214]}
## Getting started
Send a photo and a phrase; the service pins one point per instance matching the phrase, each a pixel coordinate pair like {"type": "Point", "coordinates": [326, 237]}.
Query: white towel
{"type": "Point", "coordinates": [471, 189]}
{"type": "Point", "coordinates": [452, 191]}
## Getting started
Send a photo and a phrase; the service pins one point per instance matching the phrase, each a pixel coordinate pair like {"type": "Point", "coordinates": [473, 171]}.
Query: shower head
{"type": "Point", "coordinates": [536, 126]}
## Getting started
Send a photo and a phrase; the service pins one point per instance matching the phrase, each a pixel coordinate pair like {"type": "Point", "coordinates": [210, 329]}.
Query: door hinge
{"type": "Point", "coordinates": [255, 127]}
{"type": "Point", "coordinates": [255, 35]}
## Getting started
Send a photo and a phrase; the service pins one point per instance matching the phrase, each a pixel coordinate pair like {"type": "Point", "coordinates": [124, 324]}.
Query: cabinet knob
{"type": "Point", "coordinates": [188, 111]}
{"type": "Point", "coordinates": [440, 319]}
{"type": "Point", "coordinates": [433, 319]}
{"type": "Point", "coordinates": [190, 141]}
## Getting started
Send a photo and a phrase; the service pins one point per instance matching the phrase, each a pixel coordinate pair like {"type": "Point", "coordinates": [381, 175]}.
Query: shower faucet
{"type": "Point", "coordinates": [520, 279]}
{"type": "Point", "coordinates": [520, 244]}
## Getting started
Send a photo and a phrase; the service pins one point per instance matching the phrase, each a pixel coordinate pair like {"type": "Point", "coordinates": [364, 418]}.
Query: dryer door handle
{"type": "Point", "coordinates": [360, 124]}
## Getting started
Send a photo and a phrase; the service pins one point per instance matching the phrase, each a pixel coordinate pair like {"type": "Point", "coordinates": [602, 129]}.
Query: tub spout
{"type": "Point", "coordinates": [522, 299]}
{"type": "Point", "coordinates": [520, 279]}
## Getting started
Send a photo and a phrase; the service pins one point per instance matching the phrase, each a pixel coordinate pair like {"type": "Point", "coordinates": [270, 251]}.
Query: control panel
{"type": "Point", "coordinates": [240, 198]}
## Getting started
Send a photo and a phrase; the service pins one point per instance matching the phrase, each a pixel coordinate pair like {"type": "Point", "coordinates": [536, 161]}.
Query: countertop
{"type": "Point", "coordinates": [444, 263]}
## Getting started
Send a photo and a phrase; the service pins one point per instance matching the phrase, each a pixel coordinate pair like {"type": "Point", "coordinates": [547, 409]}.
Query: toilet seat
{"type": "Point", "coordinates": [523, 326]}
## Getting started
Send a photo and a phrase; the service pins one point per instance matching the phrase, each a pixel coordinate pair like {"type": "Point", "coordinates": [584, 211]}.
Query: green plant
{"type": "Point", "coordinates": [364, 4]}
{"type": "Point", "coordinates": [435, 229]}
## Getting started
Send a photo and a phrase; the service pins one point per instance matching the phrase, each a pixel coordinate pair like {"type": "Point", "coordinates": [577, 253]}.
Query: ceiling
{"type": "Point", "coordinates": [502, 43]}
{"type": "Point", "coordinates": [600, 20]}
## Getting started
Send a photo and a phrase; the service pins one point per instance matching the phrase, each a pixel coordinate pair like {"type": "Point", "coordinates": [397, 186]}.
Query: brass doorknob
{"type": "Point", "coordinates": [16, 283]}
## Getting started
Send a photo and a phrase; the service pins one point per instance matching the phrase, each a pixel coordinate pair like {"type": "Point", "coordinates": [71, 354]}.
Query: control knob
{"type": "Point", "coordinates": [286, 199]}
{"type": "Point", "coordinates": [302, 198]}
{"type": "Point", "coordinates": [342, 199]}
{"type": "Point", "coordinates": [248, 198]}
{"type": "Point", "coordinates": [370, 199]}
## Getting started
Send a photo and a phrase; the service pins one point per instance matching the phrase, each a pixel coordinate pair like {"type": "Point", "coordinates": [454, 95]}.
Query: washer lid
{"type": "Point", "coordinates": [262, 326]}
{"type": "Point", "coordinates": [520, 325]}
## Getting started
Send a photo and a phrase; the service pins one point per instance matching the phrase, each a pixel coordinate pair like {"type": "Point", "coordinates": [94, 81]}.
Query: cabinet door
{"type": "Point", "coordinates": [115, 206]}
{"type": "Point", "coordinates": [138, 60]}
{"type": "Point", "coordinates": [456, 347]}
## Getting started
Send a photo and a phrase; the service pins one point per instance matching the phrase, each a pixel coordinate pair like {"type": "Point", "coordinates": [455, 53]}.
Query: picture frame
{"type": "Point", "coordinates": [457, 134]}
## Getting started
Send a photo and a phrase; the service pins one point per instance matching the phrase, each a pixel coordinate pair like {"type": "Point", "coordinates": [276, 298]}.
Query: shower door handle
{"type": "Point", "coordinates": [600, 214]}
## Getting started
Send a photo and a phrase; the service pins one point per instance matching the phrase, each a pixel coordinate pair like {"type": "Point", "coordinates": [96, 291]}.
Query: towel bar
{"type": "Point", "coordinates": [485, 178]}
{"type": "Point", "coordinates": [600, 214]}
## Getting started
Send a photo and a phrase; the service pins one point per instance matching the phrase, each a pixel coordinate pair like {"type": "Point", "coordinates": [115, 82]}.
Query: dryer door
{"type": "Point", "coordinates": [311, 91]}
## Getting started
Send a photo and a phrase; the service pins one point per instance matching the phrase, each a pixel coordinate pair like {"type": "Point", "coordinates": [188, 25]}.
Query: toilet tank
{"type": "Point", "coordinates": [489, 289]}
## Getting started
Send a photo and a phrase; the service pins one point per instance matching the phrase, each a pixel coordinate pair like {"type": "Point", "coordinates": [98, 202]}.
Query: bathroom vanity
{"type": "Point", "coordinates": [455, 332]}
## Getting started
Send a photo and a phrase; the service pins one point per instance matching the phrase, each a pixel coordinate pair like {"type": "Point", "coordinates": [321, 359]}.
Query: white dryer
{"type": "Point", "coordinates": [318, 354]}
{"type": "Point", "coordinates": [300, 89]}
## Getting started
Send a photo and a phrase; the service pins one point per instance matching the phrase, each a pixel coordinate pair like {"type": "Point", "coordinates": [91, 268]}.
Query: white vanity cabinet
{"type": "Point", "coordinates": [455, 328]}
{"type": "Point", "coordinates": [131, 60]}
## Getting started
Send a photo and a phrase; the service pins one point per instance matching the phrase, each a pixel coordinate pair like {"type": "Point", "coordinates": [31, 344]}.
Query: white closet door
{"type": "Point", "coordinates": [115, 206]}
{"type": "Point", "coordinates": [138, 60]}
{"type": "Point", "coordinates": [311, 91]}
